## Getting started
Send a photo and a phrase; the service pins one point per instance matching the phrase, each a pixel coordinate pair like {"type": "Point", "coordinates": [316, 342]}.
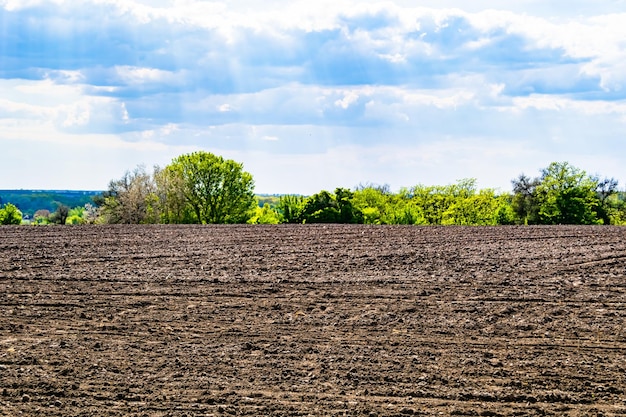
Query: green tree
{"type": "Point", "coordinates": [524, 201]}
{"type": "Point", "coordinates": [76, 216]}
{"type": "Point", "coordinates": [325, 207]}
{"type": "Point", "coordinates": [290, 208]}
{"type": "Point", "coordinates": [373, 202]}
{"type": "Point", "coordinates": [566, 195]}
{"type": "Point", "coordinates": [435, 201]}
{"type": "Point", "coordinates": [170, 192]}
{"type": "Point", "coordinates": [348, 213]}
{"type": "Point", "coordinates": [403, 208]}
{"type": "Point", "coordinates": [10, 215]}
{"type": "Point", "coordinates": [605, 190]}
{"type": "Point", "coordinates": [505, 215]}
{"type": "Point", "coordinates": [321, 208]}
{"type": "Point", "coordinates": [60, 214]}
{"type": "Point", "coordinates": [41, 217]}
{"type": "Point", "coordinates": [616, 208]}
{"type": "Point", "coordinates": [563, 194]}
{"type": "Point", "coordinates": [216, 190]}
{"type": "Point", "coordinates": [265, 215]}
{"type": "Point", "coordinates": [478, 209]}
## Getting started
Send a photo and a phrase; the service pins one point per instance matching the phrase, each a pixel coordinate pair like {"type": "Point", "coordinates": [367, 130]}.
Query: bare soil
{"type": "Point", "coordinates": [312, 321]}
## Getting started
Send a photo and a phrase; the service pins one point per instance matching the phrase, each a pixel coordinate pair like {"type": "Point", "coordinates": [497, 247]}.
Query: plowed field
{"type": "Point", "coordinates": [312, 321]}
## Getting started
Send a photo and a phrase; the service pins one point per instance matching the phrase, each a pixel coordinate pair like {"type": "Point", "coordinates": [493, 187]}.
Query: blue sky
{"type": "Point", "coordinates": [311, 95]}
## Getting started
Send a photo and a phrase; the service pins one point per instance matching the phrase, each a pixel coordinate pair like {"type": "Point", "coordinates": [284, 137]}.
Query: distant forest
{"type": "Point", "coordinates": [30, 201]}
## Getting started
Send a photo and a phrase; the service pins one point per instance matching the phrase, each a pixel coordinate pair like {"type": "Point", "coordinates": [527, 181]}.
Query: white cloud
{"type": "Point", "coordinates": [584, 108]}
{"type": "Point", "coordinates": [141, 75]}
{"type": "Point", "coordinates": [348, 99]}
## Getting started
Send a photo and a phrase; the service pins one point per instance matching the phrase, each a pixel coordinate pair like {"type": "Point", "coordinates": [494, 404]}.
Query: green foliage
{"type": "Point", "coordinates": [403, 208]}
{"type": "Point", "coordinates": [195, 188]}
{"type": "Point", "coordinates": [505, 215]}
{"type": "Point", "coordinates": [524, 201]}
{"type": "Point", "coordinates": [88, 214]}
{"type": "Point", "coordinates": [379, 206]}
{"type": "Point", "coordinates": [456, 204]}
{"type": "Point", "coordinates": [566, 195]}
{"type": "Point", "coordinates": [173, 205]}
{"type": "Point", "coordinates": [563, 194]}
{"type": "Point", "coordinates": [76, 216]}
{"type": "Point", "coordinates": [290, 208]}
{"type": "Point", "coordinates": [474, 209]}
{"type": "Point", "coordinates": [41, 217]}
{"type": "Point", "coordinates": [203, 188]}
{"type": "Point", "coordinates": [217, 190]}
{"type": "Point", "coordinates": [320, 208]}
{"type": "Point", "coordinates": [325, 207]}
{"type": "Point", "coordinates": [609, 202]}
{"type": "Point", "coordinates": [435, 201]}
{"type": "Point", "coordinates": [407, 213]}
{"type": "Point", "coordinates": [265, 215]}
{"type": "Point", "coordinates": [615, 208]}
{"type": "Point", "coordinates": [444, 204]}
{"type": "Point", "coordinates": [270, 200]}
{"type": "Point", "coordinates": [348, 213]}
{"type": "Point", "coordinates": [372, 201]}
{"type": "Point", "coordinates": [60, 215]}
{"type": "Point", "coordinates": [10, 215]}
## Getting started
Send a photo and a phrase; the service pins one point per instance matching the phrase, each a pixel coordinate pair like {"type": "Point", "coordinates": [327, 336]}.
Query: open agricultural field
{"type": "Point", "coordinates": [312, 321]}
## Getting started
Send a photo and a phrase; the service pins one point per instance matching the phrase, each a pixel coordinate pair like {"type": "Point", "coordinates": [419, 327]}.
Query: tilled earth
{"type": "Point", "coordinates": [312, 321]}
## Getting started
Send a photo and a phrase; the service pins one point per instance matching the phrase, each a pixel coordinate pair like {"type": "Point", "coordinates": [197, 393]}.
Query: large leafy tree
{"type": "Point", "coordinates": [563, 194]}
{"type": "Point", "coordinates": [566, 195]}
{"type": "Point", "coordinates": [217, 190]}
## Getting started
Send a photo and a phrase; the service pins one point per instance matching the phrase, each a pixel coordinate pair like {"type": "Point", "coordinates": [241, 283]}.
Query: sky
{"type": "Point", "coordinates": [312, 95]}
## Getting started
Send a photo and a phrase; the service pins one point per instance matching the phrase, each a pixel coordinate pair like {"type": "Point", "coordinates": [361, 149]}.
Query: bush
{"type": "Point", "coordinates": [9, 214]}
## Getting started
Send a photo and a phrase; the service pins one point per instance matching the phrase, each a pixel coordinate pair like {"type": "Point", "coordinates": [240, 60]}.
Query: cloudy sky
{"type": "Point", "coordinates": [311, 95]}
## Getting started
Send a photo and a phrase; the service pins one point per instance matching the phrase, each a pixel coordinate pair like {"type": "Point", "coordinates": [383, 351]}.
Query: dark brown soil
{"type": "Point", "coordinates": [312, 321]}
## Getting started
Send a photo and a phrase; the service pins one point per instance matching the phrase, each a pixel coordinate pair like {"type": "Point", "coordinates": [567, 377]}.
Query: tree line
{"type": "Point", "coordinates": [31, 201]}
{"type": "Point", "coordinates": [202, 188]}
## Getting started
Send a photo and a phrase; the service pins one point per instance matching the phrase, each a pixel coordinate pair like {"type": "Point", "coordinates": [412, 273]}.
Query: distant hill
{"type": "Point", "coordinates": [29, 201]}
